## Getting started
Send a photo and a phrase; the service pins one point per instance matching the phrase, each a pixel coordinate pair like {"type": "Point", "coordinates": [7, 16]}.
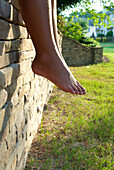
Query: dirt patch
{"type": "Point", "coordinates": [105, 59]}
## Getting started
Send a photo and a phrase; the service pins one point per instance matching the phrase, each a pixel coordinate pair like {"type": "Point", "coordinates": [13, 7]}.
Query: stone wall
{"type": "Point", "coordinates": [23, 95]}
{"type": "Point", "coordinates": [97, 53]}
{"type": "Point", "coordinates": [76, 54]}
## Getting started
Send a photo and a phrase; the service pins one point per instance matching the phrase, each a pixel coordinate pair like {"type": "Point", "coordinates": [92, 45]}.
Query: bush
{"type": "Point", "coordinates": [104, 39]}
{"type": "Point", "coordinates": [100, 35]}
{"type": "Point", "coordinates": [98, 39]}
{"type": "Point", "coordinates": [90, 42]}
{"type": "Point", "coordinates": [109, 34]}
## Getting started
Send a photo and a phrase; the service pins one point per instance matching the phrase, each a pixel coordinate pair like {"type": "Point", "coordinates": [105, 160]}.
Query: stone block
{"type": "Point", "coordinates": [2, 48]}
{"type": "Point", "coordinates": [12, 131]}
{"type": "Point", "coordinates": [11, 31]}
{"type": "Point", "coordinates": [11, 164]}
{"type": "Point", "coordinates": [7, 59]}
{"type": "Point", "coordinates": [8, 75]}
{"type": "Point", "coordinates": [2, 114]}
{"type": "Point", "coordinates": [20, 19]}
{"type": "Point", "coordinates": [19, 45]}
{"type": "Point", "coordinates": [25, 66]}
{"type": "Point", "coordinates": [5, 9]}
{"type": "Point", "coordinates": [15, 3]}
{"type": "Point", "coordinates": [18, 111]}
{"type": "Point", "coordinates": [13, 90]}
{"type": "Point", "coordinates": [23, 90]}
{"type": "Point", "coordinates": [19, 31]}
{"type": "Point", "coordinates": [5, 125]}
{"type": "Point", "coordinates": [2, 80]}
{"type": "Point", "coordinates": [16, 17]}
{"type": "Point", "coordinates": [2, 150]}
{"type": "Point", "coordinates": [28, 76]}
{"type": "Point", "coordinates": [9, 13]}
{"type": "Point", "coordinates": [35, 82]}
{"type": "Point", "coordinates": [3, 97]}
{"type": "Point", "coordinates": [4, 30]}
{"type": "Point", "coordinates": [24, 55]}
{"type": "Point", "coordinates": [27, 45]}
{"type": "Point", "coordinates": [12, 46]}
{"type": "Point", "coordinates": [15, 99]}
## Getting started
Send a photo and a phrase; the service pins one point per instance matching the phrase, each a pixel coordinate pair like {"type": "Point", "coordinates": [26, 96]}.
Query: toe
{"type": "Point", "coordinates": [81, 88]}
{"type": "Point", "coordinates": [76, 90]}
{"type": "Point", "coordinates": [71, 90]}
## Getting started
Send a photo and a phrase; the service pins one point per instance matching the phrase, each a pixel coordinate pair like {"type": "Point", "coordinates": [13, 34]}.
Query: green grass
{"type": "Point", "coordinates": [77, 131]}
{"type": "Point", "coordinates": [108, 47]}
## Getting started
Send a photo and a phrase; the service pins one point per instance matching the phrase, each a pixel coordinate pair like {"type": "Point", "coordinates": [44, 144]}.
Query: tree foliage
{"type": "Point", "coordinates": [86, 8]}
{"type": "Point", "coordinates": [63, 4]}
{"type": "Point", "coordinates": [77, 28]}
{"type": "Point", "coordinates": [72, 28]}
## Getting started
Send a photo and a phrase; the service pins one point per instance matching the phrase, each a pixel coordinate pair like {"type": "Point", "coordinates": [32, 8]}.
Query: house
{"type": "Point", "coordinates": [93, 31]}
{"type": "Point", "coordinates": [104, 30]}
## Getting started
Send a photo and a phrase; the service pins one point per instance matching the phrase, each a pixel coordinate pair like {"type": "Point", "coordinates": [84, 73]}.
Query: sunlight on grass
{"type": "Point", "coordinates": [108, 47]}
{"type": "Point", "coordinates": [77, 131]}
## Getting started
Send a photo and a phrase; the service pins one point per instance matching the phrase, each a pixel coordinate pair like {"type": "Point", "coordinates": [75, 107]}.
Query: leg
{"type": "Point", "coordinates": [37, 15]}
{"type": "Point", "coordinates": [54, 20]}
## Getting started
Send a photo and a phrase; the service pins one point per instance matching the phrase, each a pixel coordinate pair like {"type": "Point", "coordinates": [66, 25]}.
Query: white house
{"type": "Point", "coordinates": [105, 30]}
{"type": "Point", "coordinates": [93, 31]}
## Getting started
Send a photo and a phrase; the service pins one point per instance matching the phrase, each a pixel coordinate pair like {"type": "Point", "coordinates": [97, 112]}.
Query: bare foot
{"type": "Point", "coordinates": [55, 69]}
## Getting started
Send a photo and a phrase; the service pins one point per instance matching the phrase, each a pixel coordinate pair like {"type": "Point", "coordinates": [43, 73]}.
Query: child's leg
{"type": "Point", "coordinates": [38, 18]}
{"type": "Point", "coordinates": [54, 20]}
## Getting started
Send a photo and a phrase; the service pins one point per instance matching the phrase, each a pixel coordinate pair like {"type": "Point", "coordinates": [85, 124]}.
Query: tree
{"type": "Point", "coordinates": [87, 7]}
{"type": "Point", "coordinates": [87, 10]}
{"type": "Point", "coordinates": [63, 4]}
{"type": "Point", "coordinates": [73, 28]}
{"type": "Point", "coordinates": [76, 28]}
{"type": "Point", "coordinates": [82, 21]}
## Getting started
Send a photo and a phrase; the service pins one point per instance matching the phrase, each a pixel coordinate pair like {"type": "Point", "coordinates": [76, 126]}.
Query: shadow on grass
{"type": "Point", "coordinates": [64, 142]}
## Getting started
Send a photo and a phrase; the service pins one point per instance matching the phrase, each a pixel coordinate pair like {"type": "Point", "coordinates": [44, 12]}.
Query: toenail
{"type": "Point", "coordinates": [74, 92]}
{"type": "Point", "coordinates": [77, 92]}
{"type": "Point", "coordinates": [81, 92]}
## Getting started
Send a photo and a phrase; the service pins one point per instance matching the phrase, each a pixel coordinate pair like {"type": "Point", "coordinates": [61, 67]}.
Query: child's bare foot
{"type": "Point", "coordinates": [55, 70]}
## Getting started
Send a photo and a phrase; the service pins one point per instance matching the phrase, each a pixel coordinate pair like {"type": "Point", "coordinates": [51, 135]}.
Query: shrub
{"type": "Point", "coordinates": [104, 39]}
{"type": "Point", "coordinates": [100, 35]}
{"type": "Point", "coordinates": [109, 34]}
{"type": "Point", "coordinates": [90, 42]}
{"type": "Point", "coordinates": [98, 39]}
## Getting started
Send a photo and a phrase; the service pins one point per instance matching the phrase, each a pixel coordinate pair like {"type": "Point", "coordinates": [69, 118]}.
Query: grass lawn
{"type": "Point", "coordinates": [108, 47]}
{"type": "Point", "coordinates": [77, 131]}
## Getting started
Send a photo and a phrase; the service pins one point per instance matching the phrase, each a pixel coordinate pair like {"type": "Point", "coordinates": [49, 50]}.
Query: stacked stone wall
{"type": "Point", "coordinates": [23, 95]}
{"type": "Point", "coordinates": [97, 54]}
{"type": "Point", "coordinates": [76, 54]}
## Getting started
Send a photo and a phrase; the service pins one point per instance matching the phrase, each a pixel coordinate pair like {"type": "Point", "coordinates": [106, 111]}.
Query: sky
{"type": "Point", "coordinates": [97, 5]}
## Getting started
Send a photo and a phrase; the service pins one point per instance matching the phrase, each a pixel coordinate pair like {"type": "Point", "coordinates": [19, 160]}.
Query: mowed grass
{"type": "Point", "coordinates": [77, 131]}
{"type": "Point", "coordinates": [108, 47]}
